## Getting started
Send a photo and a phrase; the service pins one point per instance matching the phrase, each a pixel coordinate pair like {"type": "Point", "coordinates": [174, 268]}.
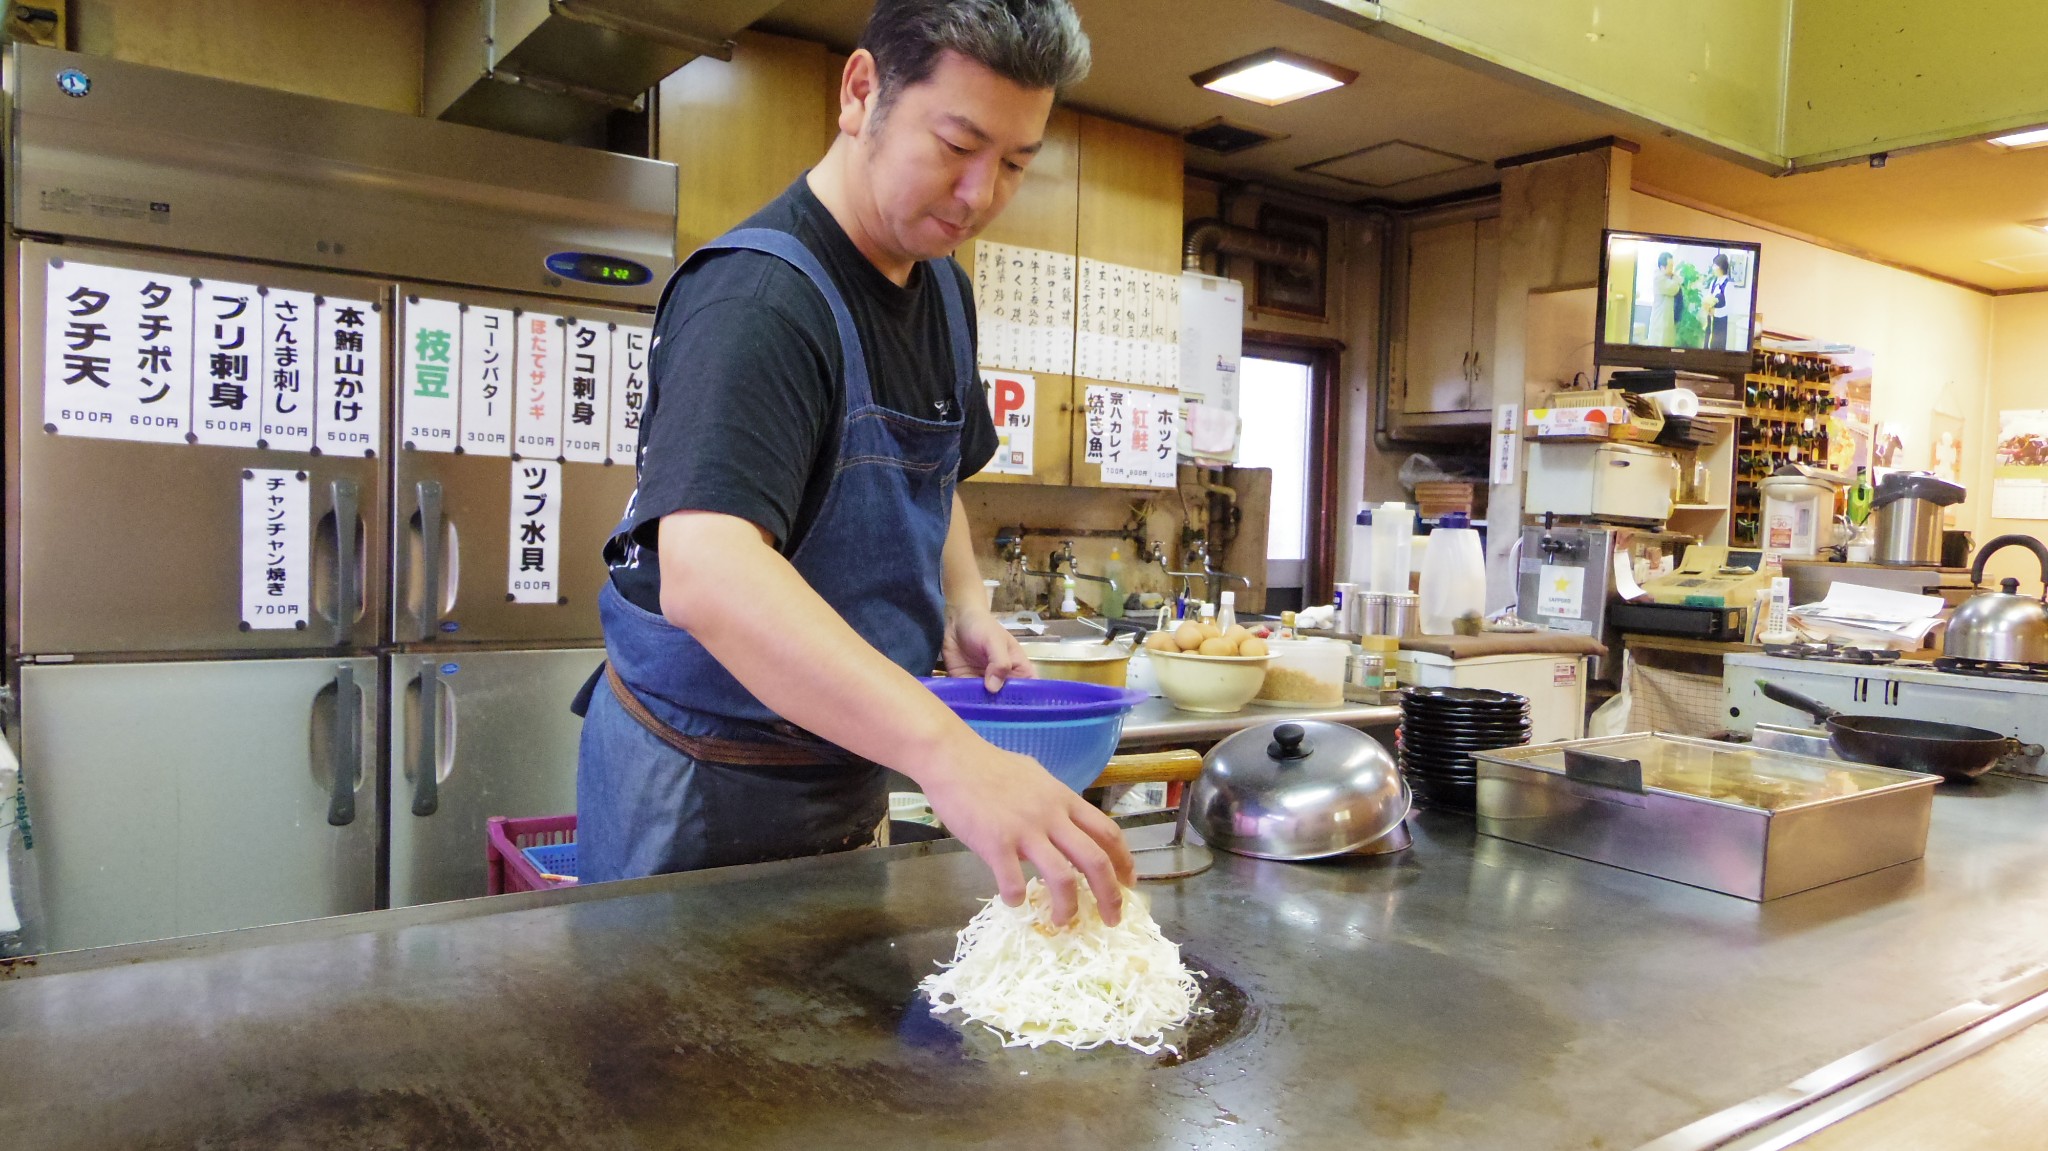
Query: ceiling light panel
{"type": "Point", "coordinates": [2031, 138]}
{"type": "Point", "coordinates": [1274, 77]}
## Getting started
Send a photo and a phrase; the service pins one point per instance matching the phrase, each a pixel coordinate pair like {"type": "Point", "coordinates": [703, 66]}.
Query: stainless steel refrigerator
{"type": "Point", "coordinates": [317, 417]}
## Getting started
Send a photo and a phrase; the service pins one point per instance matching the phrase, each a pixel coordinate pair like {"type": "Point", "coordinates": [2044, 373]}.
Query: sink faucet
{"type": "Point", "coordinates": [1213, 577]}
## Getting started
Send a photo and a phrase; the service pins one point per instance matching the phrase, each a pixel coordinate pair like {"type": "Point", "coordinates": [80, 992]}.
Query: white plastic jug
{"type": "Point", "coordinates": [1453, 576]}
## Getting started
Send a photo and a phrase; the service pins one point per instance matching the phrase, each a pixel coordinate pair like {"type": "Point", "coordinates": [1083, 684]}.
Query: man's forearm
{"type": "Point", "coordinates": [962, 576]}
{"type": "Point", "coordinates": [809, 666]}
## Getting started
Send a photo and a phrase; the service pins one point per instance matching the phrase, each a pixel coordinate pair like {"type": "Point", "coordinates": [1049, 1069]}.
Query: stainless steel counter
{"type": "Point", "coordinates": [1469, 993]}
{"type": "Point", "coordinates": [1156, 722]}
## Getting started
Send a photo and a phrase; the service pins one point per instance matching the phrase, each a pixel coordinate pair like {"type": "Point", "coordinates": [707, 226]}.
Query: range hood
{"type": "Point", "coordinates": [558, 69]}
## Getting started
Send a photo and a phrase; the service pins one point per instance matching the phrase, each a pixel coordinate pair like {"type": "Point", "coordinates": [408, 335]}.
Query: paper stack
{"type": "Point", "coordinates": [1869, 617]}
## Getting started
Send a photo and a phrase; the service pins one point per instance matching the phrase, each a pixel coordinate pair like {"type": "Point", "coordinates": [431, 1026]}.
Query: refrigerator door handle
{"type": "Point", "coordinates": [347, 592]}
{"type": "Point", "coordinates": [345, 754]}
{"type": "Point", "coordinates": [426, 765]}
{"type": "Point", "coordinates": [431, 532]}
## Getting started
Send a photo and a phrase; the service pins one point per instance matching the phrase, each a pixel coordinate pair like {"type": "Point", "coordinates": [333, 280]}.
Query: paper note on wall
{"type": "Point", "coordinates": [488, 381]}
{"type": "Point", "coordinates": [348, 337]}
{"type": "Point", "coordinates": [276, 549]}
{"type": "Point", "coordinates": [429, 382]}
{"type": "Point", "coordinates": [537, 419]}
{"type": "Point", "coordinates": [631, 347]}
{"type": "Point", "coordinates": [1013, 405]}
{"type": "Point", "coordinates": [227, 364]}
{"type": "Point", "coordinates": [117, 353]}
{"type": "Point", "coordinates": [534, 555]}
{"type": "Point", "coordinates": [1024, 308]}
{"type": "Point", "coordinates": [587, 418]}
{"type": "Point", "coordinates": [2019, 471]}
{"type": "Point", "coordinates": [286, 396]}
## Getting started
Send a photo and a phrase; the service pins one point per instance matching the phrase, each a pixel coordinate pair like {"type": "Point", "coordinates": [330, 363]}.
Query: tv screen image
{"type": "Point", "coordinates": [1671, 292]}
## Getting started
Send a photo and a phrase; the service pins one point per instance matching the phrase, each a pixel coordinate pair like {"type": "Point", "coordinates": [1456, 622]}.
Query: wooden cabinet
{"type": "Point", "coordinates": [1130, 213]}
{"type": "Point", "coordinates": [1099, 190]}
{"type": "Point", "coordinates": [1453, 273]}
{"type": "Point", "coordinates": [1043, 215]}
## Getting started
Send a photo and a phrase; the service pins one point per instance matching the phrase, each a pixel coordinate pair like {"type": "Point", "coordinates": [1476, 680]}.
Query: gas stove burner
{"type": "Point", "coordinates": [1832, 653]}
{"type": "Point", "coordinates": [1989, 670]}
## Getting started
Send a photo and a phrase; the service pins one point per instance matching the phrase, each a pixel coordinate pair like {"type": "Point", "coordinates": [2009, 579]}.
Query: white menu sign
{"type": "Point", "coordinates": [631, 347]}
{"type": "Point", "coordinates": [276, 549]}
{"type": "Point", "coordinates": [533, 560]}
{"type": "Point", "coordinates": [227, 389]}
{"type": "Point", "coordinates": [1127, 325]}
{"type": "Point", "coordinates": [488, 390]}
{"type": "Point", "coordinates": [117, 353]}
{"type": "Point", "coordinates": [348, 376]}
{"type": "Point", "coordinates": [1131, 433]}
{"type": "Point", "coordinates": [429, 386]}
{"type": "Point", "coordinates": [1013, 405]}
{"type": "Point", "coordinates": [538, 414]}
{"type": "Point", "coordinates": [287, 391]}
{"type": "Point", "coordinates": [1024, 308]}
{"type": "Point", "coordinates": [586, 418]}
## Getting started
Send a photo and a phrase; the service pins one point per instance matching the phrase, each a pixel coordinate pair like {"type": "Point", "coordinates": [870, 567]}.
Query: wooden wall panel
{"type": "Point", "coordinates": [742, 130]}
{"type": "Point", "coordinates": [1044, 214]}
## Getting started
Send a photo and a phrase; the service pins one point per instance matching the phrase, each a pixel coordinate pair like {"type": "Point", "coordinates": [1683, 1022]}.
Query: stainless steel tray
{"type": "Point", "coordinates": [1747, 821]}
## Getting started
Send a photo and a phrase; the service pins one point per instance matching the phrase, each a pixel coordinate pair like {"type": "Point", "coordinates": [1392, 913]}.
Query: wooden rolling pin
{"type": "Point", "coordinates": [1151, 767]}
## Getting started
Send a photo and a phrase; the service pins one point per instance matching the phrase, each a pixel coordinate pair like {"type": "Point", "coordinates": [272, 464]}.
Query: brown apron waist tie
{"type": "Point", "coordinates": [793, 750]}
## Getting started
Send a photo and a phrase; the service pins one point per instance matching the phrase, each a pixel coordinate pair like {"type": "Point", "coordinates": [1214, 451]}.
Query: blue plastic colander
{"type": "Point", "coordinates": [1071, 728]}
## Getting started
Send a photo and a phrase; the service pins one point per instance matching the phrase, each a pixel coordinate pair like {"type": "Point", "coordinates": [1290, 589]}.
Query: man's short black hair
{"type": "Point", "coordinates": [1033, 43]}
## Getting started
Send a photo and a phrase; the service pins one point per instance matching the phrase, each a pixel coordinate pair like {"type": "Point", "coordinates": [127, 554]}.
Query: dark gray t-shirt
{"type": "Point", "coordinates": [748, 394]}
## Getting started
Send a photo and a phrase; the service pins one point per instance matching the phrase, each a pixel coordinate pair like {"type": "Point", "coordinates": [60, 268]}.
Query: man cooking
{"type": "Point", "coordinates": [796, 553]}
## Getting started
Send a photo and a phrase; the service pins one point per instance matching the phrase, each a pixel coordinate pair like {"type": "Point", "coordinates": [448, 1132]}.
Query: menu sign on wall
{"type": "Point", "coordinates": [586, 418]}
{"type": "Point", "coordinates": [348, 338]}
{"type": "Point", "coordinates": [227, 363]}
{"type": "Point", "coordinates": [117, 347]}
{"type": "Point", "coordinates": [276, 548]}
{"type": "Point", "coordinates": [537, 418]}
{"type": "Point", "coordinates": [534, 556]}
{"type": "Point", "coordinates": [429, 383]}
{"type": "Point", "coordinates": [286, 404]}
{"type": "Point", "coordinates": [487, 389]}
{"type": "Point", "coordinates": [631, 348]}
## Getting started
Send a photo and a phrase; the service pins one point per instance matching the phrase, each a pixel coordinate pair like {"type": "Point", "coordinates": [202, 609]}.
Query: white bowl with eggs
{"type": "Point", "coordinates": [1202, 668]}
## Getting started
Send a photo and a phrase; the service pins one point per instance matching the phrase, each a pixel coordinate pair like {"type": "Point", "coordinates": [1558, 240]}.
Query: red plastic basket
{"type": "Point", "coordinates": [504, 839]}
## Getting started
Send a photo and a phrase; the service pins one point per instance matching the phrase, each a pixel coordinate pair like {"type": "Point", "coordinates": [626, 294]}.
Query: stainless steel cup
{"type": "Point", "coordinates": [1402, 615]}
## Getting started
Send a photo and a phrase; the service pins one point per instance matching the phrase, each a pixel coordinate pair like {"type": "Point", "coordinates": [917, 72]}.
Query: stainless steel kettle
{"type": "Point", "coordinates": [2001, 626]}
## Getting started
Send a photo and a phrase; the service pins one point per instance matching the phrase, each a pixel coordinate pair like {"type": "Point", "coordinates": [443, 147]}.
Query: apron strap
{"type": "Point", "coordinates": [730, 752]}
{"type": "Point", "coordinates": [790, 250]}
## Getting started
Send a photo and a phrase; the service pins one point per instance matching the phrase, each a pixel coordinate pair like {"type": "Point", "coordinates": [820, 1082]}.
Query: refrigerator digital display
{"type": "Point", "coordinates": [591, 268]}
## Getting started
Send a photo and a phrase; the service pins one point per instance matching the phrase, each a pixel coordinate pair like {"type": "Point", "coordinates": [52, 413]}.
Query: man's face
{"type": "Point", "coordinates": [947, 155]}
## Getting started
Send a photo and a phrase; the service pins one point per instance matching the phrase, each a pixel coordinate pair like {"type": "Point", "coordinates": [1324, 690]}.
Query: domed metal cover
{"type": "Point", "coordinates": [1298, 790]}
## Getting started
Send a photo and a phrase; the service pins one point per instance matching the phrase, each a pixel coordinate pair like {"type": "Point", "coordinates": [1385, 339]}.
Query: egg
{"type": "Point", "coordinates": [1218, 646]}
{"type": "Point", "coordinates": [1210, 630]}
{"type": "Point", "coordinates": [1237, 633]}
{"type": "Point", "coordinates": [1161, 641]}
{"type": "Point", "coordinates": [1188, 636]}
{"type": "Point", "coordinates": [1252, 645]}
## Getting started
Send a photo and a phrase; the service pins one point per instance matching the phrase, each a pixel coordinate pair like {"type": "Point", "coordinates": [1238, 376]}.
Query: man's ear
{"type": "Point", "coordinates": [860, 88]}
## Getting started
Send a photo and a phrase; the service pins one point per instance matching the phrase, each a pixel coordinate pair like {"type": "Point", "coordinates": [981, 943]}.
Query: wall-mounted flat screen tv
{"type": "Point", "coordinates": [1677, 302]}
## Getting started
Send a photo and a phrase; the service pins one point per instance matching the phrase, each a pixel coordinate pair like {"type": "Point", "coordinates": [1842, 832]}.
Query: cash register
{"type": "Point", "coordinates": [1706, 598]}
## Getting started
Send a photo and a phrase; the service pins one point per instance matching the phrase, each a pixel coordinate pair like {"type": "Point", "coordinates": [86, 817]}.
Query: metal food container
{"type": "Point", "coordinates": [1742, 820]}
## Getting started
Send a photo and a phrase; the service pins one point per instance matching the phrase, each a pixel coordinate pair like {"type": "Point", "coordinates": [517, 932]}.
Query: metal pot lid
{"type": "Point", "coordinates": [1301, 789]}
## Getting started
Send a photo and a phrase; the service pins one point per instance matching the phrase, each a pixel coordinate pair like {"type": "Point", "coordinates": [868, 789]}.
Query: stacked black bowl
{"type": "Point", "coordinates": [1441, 728]}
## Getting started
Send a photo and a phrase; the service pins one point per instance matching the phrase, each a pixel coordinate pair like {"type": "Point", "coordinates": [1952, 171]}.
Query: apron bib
{"type": "Point", "coordinates": [707, 775]}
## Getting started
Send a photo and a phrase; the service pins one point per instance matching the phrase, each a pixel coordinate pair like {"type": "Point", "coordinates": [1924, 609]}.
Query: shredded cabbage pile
{"type": "Point", "coordinates": [1082, 985]}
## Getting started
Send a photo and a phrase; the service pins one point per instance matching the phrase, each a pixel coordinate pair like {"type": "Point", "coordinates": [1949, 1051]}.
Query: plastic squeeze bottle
{"type": "Point", "coordinates": [1113, 600]}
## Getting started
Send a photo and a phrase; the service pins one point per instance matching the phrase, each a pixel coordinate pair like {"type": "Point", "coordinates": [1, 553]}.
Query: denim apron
{"type": "Point", "coordinates": [707, 775]}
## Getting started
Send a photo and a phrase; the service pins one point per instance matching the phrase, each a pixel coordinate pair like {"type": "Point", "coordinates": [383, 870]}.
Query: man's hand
{"type": "Point", "coordinates": [1008, 809]}
{"type": "Point", "coordinates": [978, 644]}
